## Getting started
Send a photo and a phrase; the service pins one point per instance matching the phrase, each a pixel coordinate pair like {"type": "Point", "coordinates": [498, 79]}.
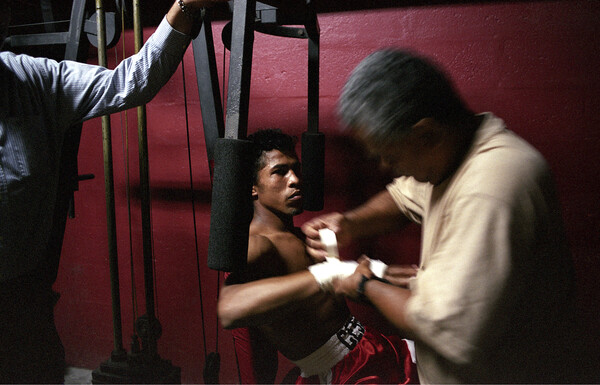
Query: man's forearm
{"type": "Point", "coordinates": [391, 302]}
{"type": "Point", "coordinates": [178, 20]}
{"type": "Point", "coordinates": [184, 15]}
{"type": "Point", "coordinates": [379, 215]}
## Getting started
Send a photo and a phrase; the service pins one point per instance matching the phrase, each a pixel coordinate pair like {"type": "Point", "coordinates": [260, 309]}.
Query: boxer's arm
{"type": "Point", "coordinates": [264, 295]}
{"type": "Point", "coordinates": [261, 291]}
{"type": "Point", "coordinates": [255, 302]}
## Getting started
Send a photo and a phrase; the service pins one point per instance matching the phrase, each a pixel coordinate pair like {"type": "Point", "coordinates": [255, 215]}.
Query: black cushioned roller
{"type": "Point", "coordinates": [231, 207]}
{"type": "Point", "coordinates": [313, 170]}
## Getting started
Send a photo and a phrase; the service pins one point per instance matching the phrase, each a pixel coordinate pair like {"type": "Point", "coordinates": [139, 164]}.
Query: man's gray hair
{"type": "Point", "coordinates": [391, 90]}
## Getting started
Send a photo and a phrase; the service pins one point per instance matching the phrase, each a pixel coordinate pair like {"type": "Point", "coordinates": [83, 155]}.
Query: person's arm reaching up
{"type": "Point", "coordinates": [379, 215]}
{"type": "Point", "coordinates": [184, 21]}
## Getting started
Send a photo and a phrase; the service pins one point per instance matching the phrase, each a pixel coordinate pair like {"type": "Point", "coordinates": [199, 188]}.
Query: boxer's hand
{"type": "Point", "coordinates": [325, 273]}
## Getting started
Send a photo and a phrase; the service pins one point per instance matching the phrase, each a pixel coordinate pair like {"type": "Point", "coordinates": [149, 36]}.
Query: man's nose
{"type": "Point", "coordinates": [294, 178]}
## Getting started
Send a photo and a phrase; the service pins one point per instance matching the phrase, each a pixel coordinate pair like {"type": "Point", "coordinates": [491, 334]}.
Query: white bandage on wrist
{"type": "Point", "coordinates": [326, 272]}
{"type": "Point", "coordinates": [329, 239]}
{"type": "Point", "coordinates": [333, 268]}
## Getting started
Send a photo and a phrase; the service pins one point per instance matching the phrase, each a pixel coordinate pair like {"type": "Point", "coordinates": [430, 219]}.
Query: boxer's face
{"type": "Point", "coordinates": [279, 185]}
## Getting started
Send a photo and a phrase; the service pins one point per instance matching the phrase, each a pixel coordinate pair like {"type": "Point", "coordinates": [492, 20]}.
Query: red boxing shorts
{"type": "Point", "coordinates": [359, 355]}
{"type": "Point", "coordinates": [257, 359]}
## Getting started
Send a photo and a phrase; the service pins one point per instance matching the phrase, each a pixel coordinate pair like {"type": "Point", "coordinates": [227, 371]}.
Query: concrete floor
{"type": "Point", "coordinates": [78, 376]}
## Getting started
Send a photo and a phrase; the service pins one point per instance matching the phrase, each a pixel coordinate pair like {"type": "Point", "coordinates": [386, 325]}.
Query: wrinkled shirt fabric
{"type": "Point", "coordinates": [40, 100]}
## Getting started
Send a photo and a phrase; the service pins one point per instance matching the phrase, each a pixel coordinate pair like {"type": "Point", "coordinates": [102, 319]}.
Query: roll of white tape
{"type": "Point", "coordinates": [329, 239]}
{"type": "Point", "coordinates": [378, 267]}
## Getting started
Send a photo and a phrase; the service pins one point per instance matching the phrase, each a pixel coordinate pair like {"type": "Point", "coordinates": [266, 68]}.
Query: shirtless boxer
{"type": "Point", "coordinates": [280, 299]}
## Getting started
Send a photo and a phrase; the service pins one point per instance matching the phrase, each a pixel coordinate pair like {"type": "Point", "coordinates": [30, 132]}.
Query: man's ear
{"type": "Point", "coordinates": [428, 132]}
{"type": "Point", "coordinates": [254, 192]}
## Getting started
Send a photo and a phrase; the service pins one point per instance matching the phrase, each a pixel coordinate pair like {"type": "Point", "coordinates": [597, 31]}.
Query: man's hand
{"type": "Point", "coordinates": [199, 4]}
{"type": "Point", "coordinates": [333, 221]}
{"type": "Point", "coordinates": [400, 275]}
{"type": "Point", "coordinates": [348, 286]}
{"type": "Point", "coordinates": [397, 275]}
{"type": "Point", "coordinates": [183, 15]}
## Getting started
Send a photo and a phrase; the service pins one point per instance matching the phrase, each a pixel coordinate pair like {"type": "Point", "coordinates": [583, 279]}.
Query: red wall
{"type": "Point", "coordinates": [533, 64]}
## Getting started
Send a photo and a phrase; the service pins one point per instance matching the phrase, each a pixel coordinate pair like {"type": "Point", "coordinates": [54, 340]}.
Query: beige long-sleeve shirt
{"type": "Point", "coordinates": [494, 270]}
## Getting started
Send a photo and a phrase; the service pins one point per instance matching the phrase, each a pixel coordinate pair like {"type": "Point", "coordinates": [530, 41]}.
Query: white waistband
{"type": "Point", "coordinates": [331, 352]}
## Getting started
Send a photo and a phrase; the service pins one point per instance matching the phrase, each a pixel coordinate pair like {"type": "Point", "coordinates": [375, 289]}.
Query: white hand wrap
{"type": "Point", "coordinates": [329, 239]}
{"type": "Point", "coordinates": [333, 268]}
{"type": "Point", "coordinates": [326, 272]}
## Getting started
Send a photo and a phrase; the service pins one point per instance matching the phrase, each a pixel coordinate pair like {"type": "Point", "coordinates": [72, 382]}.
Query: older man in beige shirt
{"type": "Point", "coordinates": [491, 300]}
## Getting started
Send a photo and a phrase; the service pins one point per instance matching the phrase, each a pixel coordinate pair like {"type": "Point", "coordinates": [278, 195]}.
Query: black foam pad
{"type": "Point", "coordinates": [313, 170]}
{"type": "Point", "coordinates": [231, 207]}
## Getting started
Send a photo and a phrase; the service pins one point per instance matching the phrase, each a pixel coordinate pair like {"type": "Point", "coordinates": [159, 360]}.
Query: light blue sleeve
{"type": "Point", "coordinates": [84, 91]}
